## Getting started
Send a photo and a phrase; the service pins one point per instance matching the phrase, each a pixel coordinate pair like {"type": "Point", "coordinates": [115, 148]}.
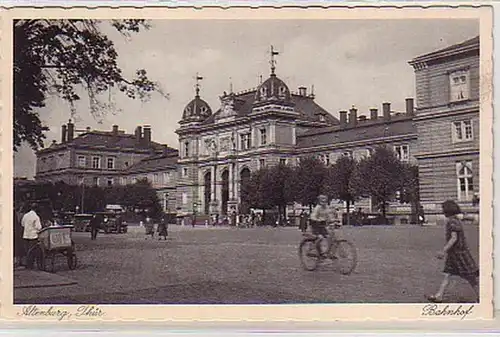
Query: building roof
{"type": "Point", "coordinates": [196, 110]}
{"type": "Point", "coordinates": [307, 108]}
{"type": "Point", "coordinates": [107, 139]}
{"type": "Point", "coordinates": [463, 47]}
{"type": "Point", "coordinates": [364, 131]}
{"type": "Point", "coordinates": [154, 163]}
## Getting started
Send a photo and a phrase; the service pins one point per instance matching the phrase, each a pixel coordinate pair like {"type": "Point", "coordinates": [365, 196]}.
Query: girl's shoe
{"type": "Point", "coordinates": [434, 299]}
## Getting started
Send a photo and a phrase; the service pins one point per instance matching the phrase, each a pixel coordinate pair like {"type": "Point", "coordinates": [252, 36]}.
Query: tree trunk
{"type": "Point", "coordinates": [383, 210]}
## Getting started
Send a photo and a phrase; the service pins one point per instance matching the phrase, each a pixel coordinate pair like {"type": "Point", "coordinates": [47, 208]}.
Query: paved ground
{"type": "Point", "coordinates": [227, 265]}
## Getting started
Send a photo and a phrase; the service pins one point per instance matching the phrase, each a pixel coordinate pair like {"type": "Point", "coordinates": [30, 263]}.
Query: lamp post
{"type": "Point", "coordinates": [83, 194]}
{"type": "Point", "coordinates": [195, 208]}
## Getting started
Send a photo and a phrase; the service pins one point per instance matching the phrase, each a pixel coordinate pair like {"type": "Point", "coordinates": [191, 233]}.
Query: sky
{"type": "Point", "coordinates": [349, 62]}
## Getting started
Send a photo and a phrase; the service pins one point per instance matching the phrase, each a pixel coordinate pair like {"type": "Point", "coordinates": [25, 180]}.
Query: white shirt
{"type": "Point", "coordinates": [32, 224]}
{"type": "Point", "coordinates": [322, 213]}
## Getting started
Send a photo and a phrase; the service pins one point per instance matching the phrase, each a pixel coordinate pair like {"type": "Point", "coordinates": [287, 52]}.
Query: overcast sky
{"type": "Point", "coordinates": [361, 63]}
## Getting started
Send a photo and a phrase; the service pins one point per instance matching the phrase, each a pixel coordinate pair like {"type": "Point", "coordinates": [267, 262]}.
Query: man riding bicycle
{"type": "Point", "coordinates": [321, 216]}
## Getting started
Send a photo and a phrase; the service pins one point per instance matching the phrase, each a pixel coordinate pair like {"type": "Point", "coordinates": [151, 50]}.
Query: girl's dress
{"type": "Point", "coordinates": [459, 260]}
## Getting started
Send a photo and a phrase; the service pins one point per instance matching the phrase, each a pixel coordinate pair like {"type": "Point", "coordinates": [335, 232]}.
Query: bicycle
{"type": "Point", "coordinates": [341, 251]}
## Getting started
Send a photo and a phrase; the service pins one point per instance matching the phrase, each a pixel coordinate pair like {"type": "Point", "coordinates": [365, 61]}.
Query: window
{"type": "Point", "coordinates": [403, 152]}
{"type": "Point", "coordinates": [156, 178]}
{"type": "Point", "coordinates": [110, 181]}
{"type": "Point", "coordinates": [282, 161]}
{"type": "Point", "coordinates": [110, 163]}
{"type": "Point", "coordinates": [186, 149]}
{"type": "Point", "coordinates": [96, 162]}
{"type": "Point", "coordinates": [325, 158]}
{"type": "Point", "coordinates": [123, 181]}
{"type": "Point", "coordinates": [465, 186]}
{"type": "Point", "coordinates": [459, 86]}
{"type": "Point", "coordinates": [321, 118]}
{"type": "Point", "coordinates": [184, 198]}
{"type": "Point", "coordinates": [263, 137]}
{"type": "Point", "coordinates": [166, 177]}
{"type": "Point", "coordinates": [262, 163]}
{"type": "Point", "coordinates": [368, 152]}
{"type": "Point", "coordinates": [462, 131]}
{"type": "Point", "coordinates": [96, 181]}
{"type": "Point", "coordinates": [165, 202]}
{"type": "Point", "coordinates": [82, 162]}
{"type": "Point", "coordinates": [347, 154]}
{"type": "Point", "coordinates": [245, 141]}
{"type": "Point", "coordinates": [185, 172]}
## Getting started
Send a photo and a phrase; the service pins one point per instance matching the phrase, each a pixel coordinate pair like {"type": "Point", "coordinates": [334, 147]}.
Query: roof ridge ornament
{"type": "Point", "coordinates": [273, 61]}
{"type": "Point", "coordinates": [197, 85]}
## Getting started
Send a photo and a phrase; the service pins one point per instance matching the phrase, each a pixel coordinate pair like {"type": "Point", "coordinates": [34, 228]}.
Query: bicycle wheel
{"type": "Point", "coordinates": [347, 256]}
{"type": "Point", "coordinates": [308, 254]}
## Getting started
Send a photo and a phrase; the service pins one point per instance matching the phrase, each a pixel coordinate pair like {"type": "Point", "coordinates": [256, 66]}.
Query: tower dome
{"type": "Point", "coordinates": [197, 110]}
{"type": "Point", "coordinates": [272, 89]}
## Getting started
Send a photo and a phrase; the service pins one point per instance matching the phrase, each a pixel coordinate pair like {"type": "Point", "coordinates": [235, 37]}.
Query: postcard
{"type": "Point", "coordinates": [312, 164]}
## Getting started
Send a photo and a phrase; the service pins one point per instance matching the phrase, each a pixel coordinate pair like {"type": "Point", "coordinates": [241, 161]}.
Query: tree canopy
{"type": "Point", "coordinates": [62, 57]}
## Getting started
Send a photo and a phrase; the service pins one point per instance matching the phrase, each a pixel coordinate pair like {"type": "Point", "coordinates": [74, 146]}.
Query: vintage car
{"type": "Point", "coordinates": [82, 222]}
{"type": "Point", "coordinates": [113, 223]}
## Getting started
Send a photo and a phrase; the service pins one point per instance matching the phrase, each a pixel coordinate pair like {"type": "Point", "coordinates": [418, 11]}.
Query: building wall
{"type": "Point", "coordinates": [432, 83]}
{"type": "Point", "coordinates": [438, 153]}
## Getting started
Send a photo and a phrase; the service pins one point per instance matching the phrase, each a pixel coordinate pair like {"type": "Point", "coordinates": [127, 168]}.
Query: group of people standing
{"type": "Point", "coordinates": [161, 228]}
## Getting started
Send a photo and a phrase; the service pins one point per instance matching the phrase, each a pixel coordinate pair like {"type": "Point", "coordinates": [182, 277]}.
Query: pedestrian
{"type": "Point", "coordinates": [458, 259]}
{"type": "Point", "coordinates": [149, 227]}
{"type": "Point", "coordinates": [31, 224]}
{"type": "Point", "coordinates": [163, 229]}
{"type": "Point", "coordinates": [421, 215]}
{"type": "Point", "coordinates": [18, 238]}
{"type": "Point", "coordinates": [95, 225]}
{"type": "Point", "coordinates": [233, 218]}
{"type": "Point", "coordinates": [303, 221]}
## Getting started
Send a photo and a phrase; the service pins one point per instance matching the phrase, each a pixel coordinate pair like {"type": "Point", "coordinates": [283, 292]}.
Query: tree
{"type": "Point", "coordinates": [378, 176]}
{"type": "Point", "coordinates": [339, 182]}
{"type": "Point", "coordinates": [61, 57]}
{"type": "Point", "coordinates": [279, 187]}
{"type": "Point", "coordinates": [310, 174]}
{"type": "Point", "coordinates": [409, 189]}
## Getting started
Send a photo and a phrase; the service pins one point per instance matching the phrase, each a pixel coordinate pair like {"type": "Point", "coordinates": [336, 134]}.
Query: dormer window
{"type": "Point", "coordinates": [188, 111]}
{"type": "Point", "coordinates": [203, 109]}
{"type": "Point", "coordinates": [263, 92]}
{"type": "Point", "coordinates": [459, 86]}
{"type": "Point", "coordinates": [282, 90]}
{"type": "Point", "coordinates": [322, 118]}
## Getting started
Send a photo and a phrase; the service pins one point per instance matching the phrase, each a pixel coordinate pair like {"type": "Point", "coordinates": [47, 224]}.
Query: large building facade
{"type": "Point", "coordinates": [447, 123]}
{"type": "Point", "coordinates": [271, 124]}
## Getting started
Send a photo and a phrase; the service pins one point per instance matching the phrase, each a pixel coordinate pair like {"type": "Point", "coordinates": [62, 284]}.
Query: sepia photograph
{"type": "Point", "coordinates": [241, 161]}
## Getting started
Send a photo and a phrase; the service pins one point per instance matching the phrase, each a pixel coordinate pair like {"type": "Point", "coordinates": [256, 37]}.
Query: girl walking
{"type": "Point", "coordinates": [458, 259]}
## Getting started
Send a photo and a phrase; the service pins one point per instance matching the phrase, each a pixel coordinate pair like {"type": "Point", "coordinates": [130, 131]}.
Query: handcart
{"type": "Point", "coordinates": [54, 241]}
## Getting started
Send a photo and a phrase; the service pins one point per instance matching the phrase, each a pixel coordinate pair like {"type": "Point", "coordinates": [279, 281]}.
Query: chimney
{"type": "Point", "coordinates": [115, 130]}
{"type": "Point", "coordinates": [138, 135]}
{"type": "Point", "coordinates": [71, 131]}
{"type": "Point", "coordinates": [373, 113]}
{"type": "Point", "coordinates": [386, 107]}
{"type": "Point", "coordinates": [147, 135]}
{"type": "Point", "coordinates": [64, 133]}
{"type": "Point", "coordinates": [410, 109]}
{"type": "Point", "coordinates": [87, 129]}
{"type": "Point", "coordinates": [353, 118]}
{"type": "Point", "coordinates": [343, 118]}
{"type": "Point", "coordinates": [362, 118]}
{"type": "Point", "coordinates": [303, 91]}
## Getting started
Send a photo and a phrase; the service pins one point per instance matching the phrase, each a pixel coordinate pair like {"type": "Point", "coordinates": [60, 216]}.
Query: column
{"type": "Point", "coordinates": [272, 133]}
{"type": "Point", "coordinates": [230, 182]}
{"type": "Point", "coordinates": [214, 185]}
